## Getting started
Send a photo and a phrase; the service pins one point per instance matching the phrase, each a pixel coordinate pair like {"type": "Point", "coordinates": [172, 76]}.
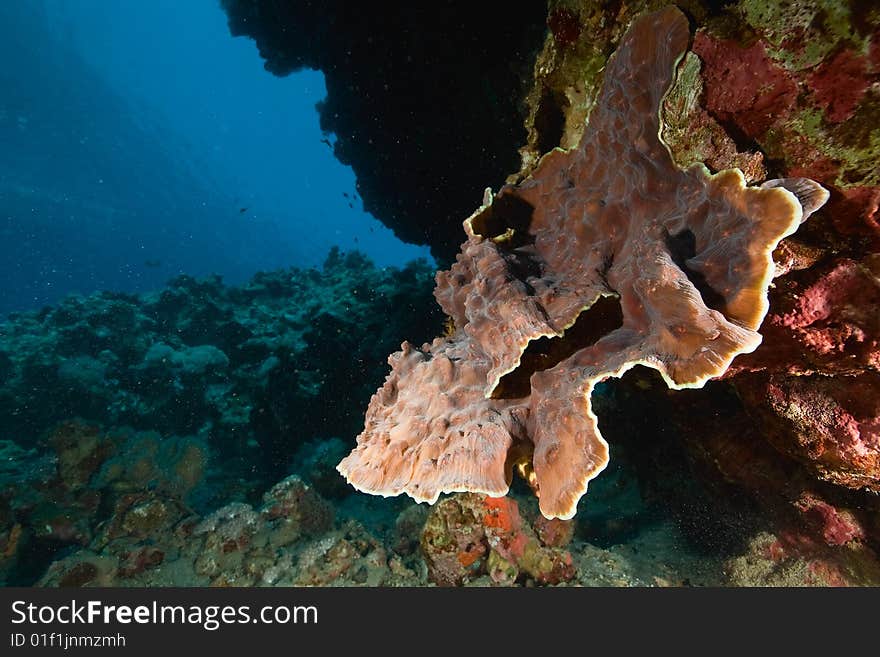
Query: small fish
{"type": "Point", "coordinates": [327, 141]}
{"type": "Point", "coordinates": [152, 264]}
{"type": "Point", "coordinates": [242, 210]}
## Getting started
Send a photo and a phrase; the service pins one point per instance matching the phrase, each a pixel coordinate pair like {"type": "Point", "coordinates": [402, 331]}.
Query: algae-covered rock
{"type": "Point", "coordinates": [467, 536]}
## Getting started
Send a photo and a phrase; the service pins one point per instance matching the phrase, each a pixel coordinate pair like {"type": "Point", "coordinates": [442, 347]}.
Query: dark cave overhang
{"type": "Point", "coordinates": [425, 99]}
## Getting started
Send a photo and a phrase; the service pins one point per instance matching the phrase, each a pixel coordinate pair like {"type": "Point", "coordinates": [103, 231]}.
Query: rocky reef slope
{"type": "Point", "coordinates": [200, 389]}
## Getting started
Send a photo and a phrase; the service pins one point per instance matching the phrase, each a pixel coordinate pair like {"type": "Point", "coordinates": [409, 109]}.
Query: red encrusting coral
{"type": "Point", "coordinates": [823, 321]}
{"type": "Point", "coordinates": [744, 87]}
{"type": "Point", "coordinates": [837, 526]}
{"type": "Point", "coordinates": [839, 84]}
{"type": "Point", "coordinates": [829, 424]}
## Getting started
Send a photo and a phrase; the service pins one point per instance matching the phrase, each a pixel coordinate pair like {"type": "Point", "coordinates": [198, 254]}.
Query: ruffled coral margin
{"type": "Point", "coordinates": [687, 255]}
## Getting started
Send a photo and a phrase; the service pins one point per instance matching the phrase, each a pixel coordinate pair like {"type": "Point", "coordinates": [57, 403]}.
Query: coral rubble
{"type": "Point", "coordinates": [606, 257]}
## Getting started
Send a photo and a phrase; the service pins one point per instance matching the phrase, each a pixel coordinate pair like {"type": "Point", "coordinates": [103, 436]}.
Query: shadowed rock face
{"type": "Point", "coordinates": [424, 99]}
{"type": "Point", "coordinates": [686, 253]}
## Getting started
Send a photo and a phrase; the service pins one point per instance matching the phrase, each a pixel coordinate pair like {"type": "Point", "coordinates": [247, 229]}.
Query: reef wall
{"type": "Point", "coordinates": [778, 89]}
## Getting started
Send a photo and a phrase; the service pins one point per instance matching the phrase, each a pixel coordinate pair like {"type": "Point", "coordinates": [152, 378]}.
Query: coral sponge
{"type": "Point", "coordinates": [606, 257]}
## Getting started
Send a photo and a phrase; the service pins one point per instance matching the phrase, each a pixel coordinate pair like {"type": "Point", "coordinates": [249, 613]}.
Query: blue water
{"type": "Point", "coordinates": [140, 140]}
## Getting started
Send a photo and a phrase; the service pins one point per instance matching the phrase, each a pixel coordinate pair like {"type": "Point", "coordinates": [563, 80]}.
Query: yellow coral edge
{"type": "Point", "coordinates": [756, 320]}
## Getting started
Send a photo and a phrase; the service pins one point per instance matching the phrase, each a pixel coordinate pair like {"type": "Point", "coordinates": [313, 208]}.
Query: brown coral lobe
{"type": "Point", "coordinates": [608, 256]}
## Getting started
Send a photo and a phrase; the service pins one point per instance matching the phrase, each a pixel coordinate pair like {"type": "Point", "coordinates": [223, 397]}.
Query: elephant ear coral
{"type": "Point", "coordinates": [606, 257]}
